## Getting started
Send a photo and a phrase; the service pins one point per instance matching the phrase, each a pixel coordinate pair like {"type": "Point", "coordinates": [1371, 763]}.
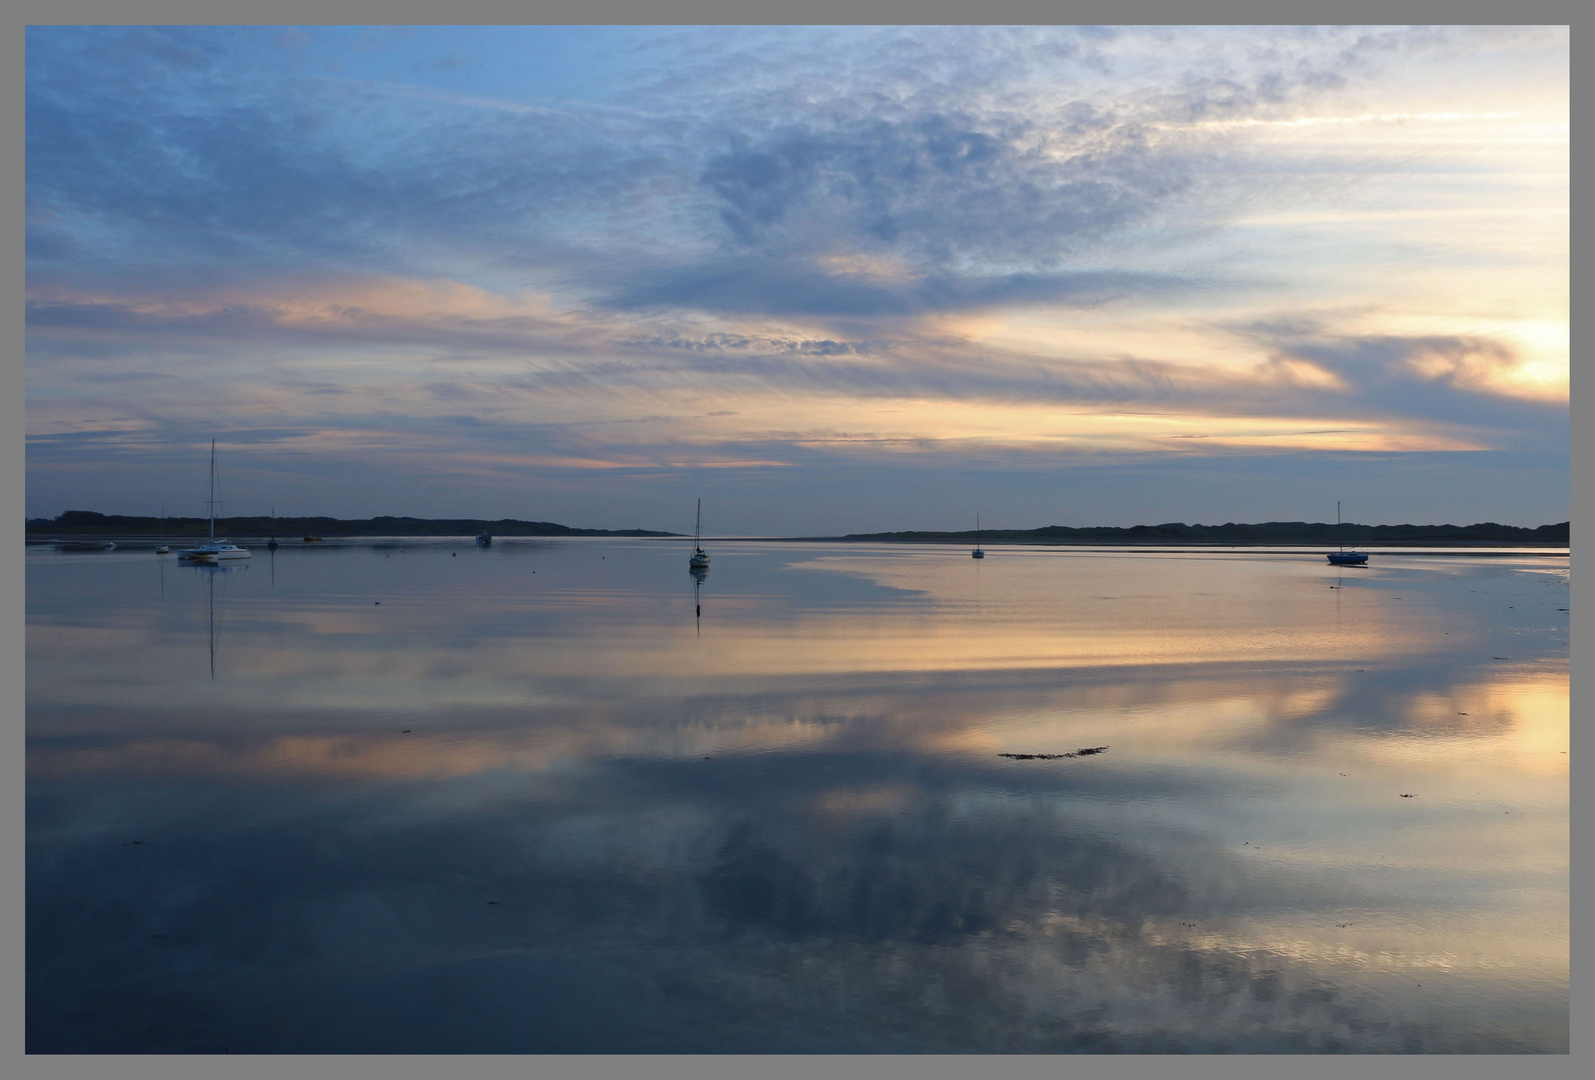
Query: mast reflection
{"type": "Point", "coordinates": [213, 629]}
{"type": "Point", "coordinates": [698, 574]}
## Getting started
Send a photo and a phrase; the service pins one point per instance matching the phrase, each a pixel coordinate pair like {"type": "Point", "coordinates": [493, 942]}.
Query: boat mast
{"type": "Point", "coordinates": [697, 530]}
{"type": "Point", "coordinates": [212, 499]}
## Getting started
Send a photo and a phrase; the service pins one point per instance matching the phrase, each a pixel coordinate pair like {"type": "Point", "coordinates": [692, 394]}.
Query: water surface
{"type": "Point", "coordinates": [556, 796]}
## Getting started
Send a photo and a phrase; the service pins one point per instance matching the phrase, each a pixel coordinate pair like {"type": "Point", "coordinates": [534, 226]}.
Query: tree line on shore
{"type": "Point", "coordinates": [87, 522]}
{"type": "Point", "coordinates": [1268, 532]}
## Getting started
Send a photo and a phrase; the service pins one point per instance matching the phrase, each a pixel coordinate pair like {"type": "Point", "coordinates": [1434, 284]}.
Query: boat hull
{"type": "Point", "coordinates": [214, 554]}
{"type": "Point", "coordinates": [1347, 558]}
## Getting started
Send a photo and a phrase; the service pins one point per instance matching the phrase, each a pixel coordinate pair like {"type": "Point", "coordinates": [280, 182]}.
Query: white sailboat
{"type": "Point", "coordinates": [977, 553]}
{"type": "Point", "coordinates": [700, 558]}
{"type": "Point", "coordinates": [215, 550]}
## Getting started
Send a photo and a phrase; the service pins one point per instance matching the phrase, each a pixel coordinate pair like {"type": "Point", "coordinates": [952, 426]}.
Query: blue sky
{"type": "Point", "coordinates": [829, 279]}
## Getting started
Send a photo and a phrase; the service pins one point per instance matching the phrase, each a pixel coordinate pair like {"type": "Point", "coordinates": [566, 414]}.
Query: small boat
{"type": "Point", "coordinates": [312, 539]}
{"type": "Point", "coordinates": [163, 550]}
{"type": "Point", "coordinates": [699, 559]}
{"type": "Point", "coordinates": [1344, 557]}
{"type": "Point", "coordinates": [214, 550]}
{"type": "Point", "coordinates": [977, 553]}
{"type": "Point", "coordinates": [485, 539]}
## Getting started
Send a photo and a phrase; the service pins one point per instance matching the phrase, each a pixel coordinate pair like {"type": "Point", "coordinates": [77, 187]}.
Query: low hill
{"type": "Point", "coordinates": [1268, 532]}
{"type": "Point", "coordinates": [88, 523]}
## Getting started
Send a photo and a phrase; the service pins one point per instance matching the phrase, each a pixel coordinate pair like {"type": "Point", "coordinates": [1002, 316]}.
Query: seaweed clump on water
{"type": "Point", "coordinates": [1084, 751]}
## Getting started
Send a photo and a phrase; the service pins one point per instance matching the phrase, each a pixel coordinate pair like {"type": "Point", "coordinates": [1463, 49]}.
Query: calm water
{"type": "Point", "coordinates": [417, 796]}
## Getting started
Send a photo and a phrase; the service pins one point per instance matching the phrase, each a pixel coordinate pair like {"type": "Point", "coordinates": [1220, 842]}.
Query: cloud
{"type": "Point", "coordinates": [702, 245]}
{"type": "Point", "coordinates": [520, 363]}
{"type": "Point", "coordinates": [229, 162]}
{"type": "Point", "coordinates": [766, 286]}
{"type": "Point", "coordinates": [1455, 379]}
{"type": "Point", "coordinates": [940, 186]}
{"type": "Point", "coordinates": [194, 145]}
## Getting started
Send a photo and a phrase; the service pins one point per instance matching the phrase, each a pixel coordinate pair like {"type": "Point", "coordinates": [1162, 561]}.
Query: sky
{"type": "Point", "coordinates": [829, 280]}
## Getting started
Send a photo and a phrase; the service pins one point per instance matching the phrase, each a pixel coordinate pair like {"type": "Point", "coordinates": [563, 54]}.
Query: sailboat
{"type": "Point", "coordinates": [700, 558]}
{"type": "Point", "coordinates": [162, 549]}
{"type": "Point", "coordinates": [215, 549]}
{"type": "Point", "coordinates": [1344, 557]}
{"type": "Point", "coordinates": [977, 553]}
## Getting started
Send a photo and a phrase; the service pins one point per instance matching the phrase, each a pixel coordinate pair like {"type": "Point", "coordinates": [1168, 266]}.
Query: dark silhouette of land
{"type": "Point", "coordinates": [88, 523]}
{"type": "Point", "coordinates": [1235, 534]}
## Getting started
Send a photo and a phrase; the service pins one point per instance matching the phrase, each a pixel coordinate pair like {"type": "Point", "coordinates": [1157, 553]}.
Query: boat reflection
{"type": "Point", "coordinates": [211, 572]}
{"type": "Point", "coordinates": [699, 574]}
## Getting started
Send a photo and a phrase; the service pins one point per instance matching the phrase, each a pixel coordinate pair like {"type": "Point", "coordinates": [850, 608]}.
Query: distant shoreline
{"type": "Point", "coordinates": [110, 526]}
{"type": "Point", "coordinates": [1286, 546]}
{"type": "Point", "coordinates": [1235, 534]}
{"type": "Point", "coordinates": [79, 523]}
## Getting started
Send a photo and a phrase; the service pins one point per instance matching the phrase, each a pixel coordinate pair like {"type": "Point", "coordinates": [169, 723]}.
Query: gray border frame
{"type": "Point", "coordinates": [703, 12]}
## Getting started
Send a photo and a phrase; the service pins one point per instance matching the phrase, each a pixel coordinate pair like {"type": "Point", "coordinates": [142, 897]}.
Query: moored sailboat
{"type": "Point", "coordinates": [1344, 557]}
{"type": "Point", "coordinates": [700, 558]}
{"type": "Point", "coordinates": [214, 550]}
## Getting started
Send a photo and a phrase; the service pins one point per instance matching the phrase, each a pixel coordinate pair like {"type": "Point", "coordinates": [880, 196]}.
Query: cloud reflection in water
{"type": "Point", "coordinates": [795, 833]}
